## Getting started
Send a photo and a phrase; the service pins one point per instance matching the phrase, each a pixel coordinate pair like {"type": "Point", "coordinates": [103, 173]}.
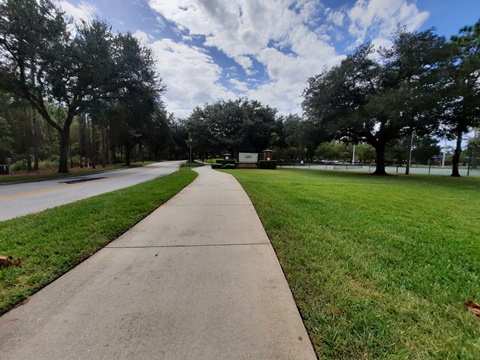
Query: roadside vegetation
{"type": "Point", "coordinates": [92, 96]}
{"type": "Point", "coordinates": [190, 164]}
{"type": "Point", "coordinates": [380, 267]}
{"type": "Point", "coordinates": [53, 241]}
{"type": "Point", "coordinates": [51, 173]}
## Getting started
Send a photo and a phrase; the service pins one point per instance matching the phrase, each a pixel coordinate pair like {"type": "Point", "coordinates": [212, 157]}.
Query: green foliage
{"type": "Point", "coordinates": [55, 240]}
{"type": "Point", "coordinates": [18, 166]}
{"type": "Point", "coordinates": [235, 125]}
{"type": "Point", "coordinates": [228, 166]}
{"type": "Point", "coordinates": [301, 137]}
{"type": "Point", "coordinates": [217, 166]}
{"type": "Point", "coordinates": [365, 153]}
{"type": "Point", "coordinates": [267, 164]}
{"type": "Point", "coordinates": [379, 267]}
{"type": "Point", "coordinates": [6, 140]}
{"type": "Point", "coordinates": [379, 99]}
{"type": "Point", "coordinates": [334, 150]}
{"type": "Point", "coordinates": [423, 149]}
{"type": "Point", "coordinates": [212, 161]}
{"type": "Point", "coordinates": [461, 98]}
{"type": "Point", "coordinates": [86, 69]}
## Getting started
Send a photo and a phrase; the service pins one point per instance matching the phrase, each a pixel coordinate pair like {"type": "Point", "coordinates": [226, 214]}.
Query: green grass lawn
{"type": "Point", "coordinates": [53, 241]}
{"type": "Point", "coordinates": [380, 267]}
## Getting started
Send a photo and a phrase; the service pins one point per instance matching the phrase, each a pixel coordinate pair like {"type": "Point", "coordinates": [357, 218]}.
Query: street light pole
{"type": "Point", "coordinates": [190, 145]}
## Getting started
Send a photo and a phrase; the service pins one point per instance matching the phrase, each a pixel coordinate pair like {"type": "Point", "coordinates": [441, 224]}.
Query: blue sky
{"type": "Point", "coordinates": [209, 50]}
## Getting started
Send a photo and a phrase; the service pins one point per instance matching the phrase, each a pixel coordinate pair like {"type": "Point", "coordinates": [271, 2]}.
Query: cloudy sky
{"type": "Point", "coordinates": [209, 50]}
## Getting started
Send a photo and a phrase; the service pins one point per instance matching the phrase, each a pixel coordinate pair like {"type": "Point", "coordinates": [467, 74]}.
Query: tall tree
{"type": "Point", "coordinates": [259, 123]}
{"type": "Point", "coordinates": [234, 125]}
{"type": "Point", "coordinates": [378, 97]}
{"type": "Point", "coordinates": [462, 95]}
{"type": "Point", "coordinates": [138, 96]}
{"type": "Point", "coordinates": [43, 63]}
{"type": "Point", "coordinates": [301, 134]}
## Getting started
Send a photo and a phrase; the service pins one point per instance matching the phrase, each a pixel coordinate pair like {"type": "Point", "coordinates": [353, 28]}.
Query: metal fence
{"type": "Point", "coordinates": [390, 169]}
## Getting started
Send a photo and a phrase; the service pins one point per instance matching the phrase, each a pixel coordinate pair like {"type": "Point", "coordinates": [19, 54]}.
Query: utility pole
{"type": "Point", "coordinates": [444, 150]}
{"type": "Point", "coordinates": [409, 162]}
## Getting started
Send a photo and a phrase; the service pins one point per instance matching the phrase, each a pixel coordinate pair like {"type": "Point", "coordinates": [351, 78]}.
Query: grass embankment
{"type": "Point", "coordinates": [212, 161]}
{"type": "Point", "coordinates": [53, 174]}
{"type": "Point", "coordinates": [55, 240]}
{"type": "Point", "coordinates": [191, 164]}
{"type": "Point", "coordinates": [380, 267]}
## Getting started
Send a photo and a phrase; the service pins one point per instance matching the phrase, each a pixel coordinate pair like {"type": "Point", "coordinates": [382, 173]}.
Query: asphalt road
{"type": "Point", "coordinates": [27, 198]}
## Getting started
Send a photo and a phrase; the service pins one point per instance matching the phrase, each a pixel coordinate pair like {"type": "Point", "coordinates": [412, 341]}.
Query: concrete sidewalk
{"type": "Point", "coordinates": [197, 279]}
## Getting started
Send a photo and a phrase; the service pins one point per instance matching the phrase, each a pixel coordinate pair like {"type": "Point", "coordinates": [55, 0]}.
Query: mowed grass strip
{"type": "Point", "coordinates": [380, 267]}
{"type": "Point", "coordinates": [55, 240]}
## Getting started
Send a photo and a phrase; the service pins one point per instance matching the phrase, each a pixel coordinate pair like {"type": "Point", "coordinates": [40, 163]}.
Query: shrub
{"type": "Point", "coordinates": [190, 165]}
{"type": "Point", "coordinates": [75, 160]}
{"type": "Point", "coordinates": [267, 164]}
{"type": "Point", "coordinates": [228, 162]}
{"type": "Point", "coordinates": [228, 166]}
{"type": "Point", "coordinates": [217, 166]}
{"type": "Point", "coordinates": [18, 166]}
{"type": "Point", "coordinates": [48, 165]}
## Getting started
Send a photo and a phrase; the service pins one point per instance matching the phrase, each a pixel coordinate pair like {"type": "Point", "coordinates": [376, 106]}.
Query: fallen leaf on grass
{"type": "Point", "coordinates": [473, 307]}
{"type": "Point", "coordinates": [9, 261]}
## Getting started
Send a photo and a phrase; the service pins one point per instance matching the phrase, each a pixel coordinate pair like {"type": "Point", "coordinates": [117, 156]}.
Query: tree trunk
{"type": "Point", "coordinates": [94, 147]}
{"type": "Point", "coordinates": [104, 147]}
{"type": "Point", "coordinates": [28, 139]}
{"type": "Point", "coordinates": [64, 145]}
{"type": "Point", "coordinates": [456, 155]}
{"type": "Point", "coordinates": [36, 141]}
{"type": "Point", "coordinates": [34, 122]}
{"type": "Point", "coordinates": [128, 150]}
{"type": "Point", "coordinates": [113, 154]}
{"type": "Point", "coordinates": [380, 170]}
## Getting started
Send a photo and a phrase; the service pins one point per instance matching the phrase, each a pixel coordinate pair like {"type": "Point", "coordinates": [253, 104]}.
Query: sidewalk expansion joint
{"type": "Point", "coordinates": [182, 246]}
{"type": "Point", "coordinates": [167, 204]}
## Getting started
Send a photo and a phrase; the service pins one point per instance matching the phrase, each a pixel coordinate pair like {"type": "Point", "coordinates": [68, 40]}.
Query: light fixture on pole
{"type": "Point", "coordinates": [189, 143]}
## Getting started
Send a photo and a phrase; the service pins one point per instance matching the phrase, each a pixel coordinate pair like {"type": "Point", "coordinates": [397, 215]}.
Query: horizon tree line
{"type": "Point", "coordinates": [104, 89]}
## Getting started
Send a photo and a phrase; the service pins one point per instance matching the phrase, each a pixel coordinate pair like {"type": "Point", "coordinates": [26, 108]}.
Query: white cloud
{"type": "Point", "coordinates": [247, 30]}
{"type": "Point", "coordinates": [287, 40]}
{"type": "Point", "coordinates": [83, 12]}
{"type": "Point", "coordinates": [383, 17]}
{"type": "Point", "coordinates": [245, 62]}
{"type": "Point", "coordinates": [237, 27]}
{"type": "Point", "coordinates": [191, 76]}
{"type": "Point", "coordinates": [336, 17]}
{"type": "Point", "coordinates": [142, 36]}
{"type": "Point", "coordinates": [239, 85]}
